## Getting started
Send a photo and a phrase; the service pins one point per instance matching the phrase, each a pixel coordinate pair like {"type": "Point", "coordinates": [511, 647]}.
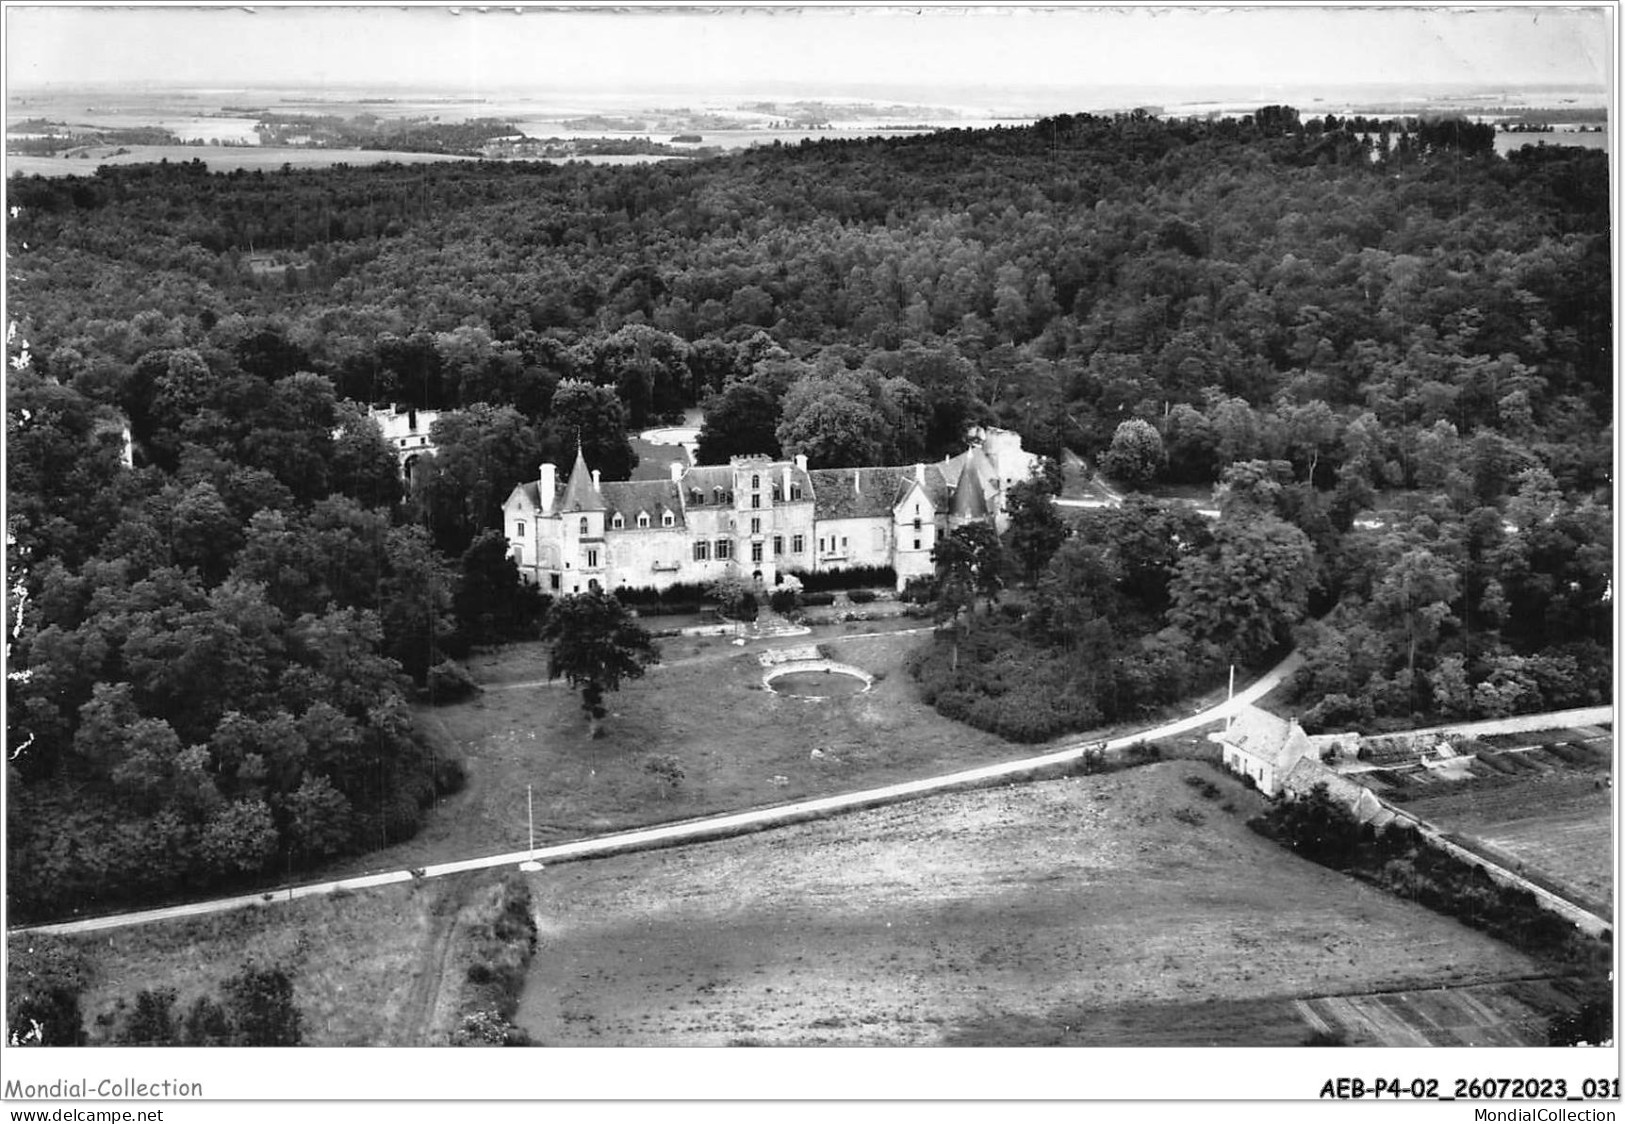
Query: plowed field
{"type": "Point", "coordinates": [1123, 909]}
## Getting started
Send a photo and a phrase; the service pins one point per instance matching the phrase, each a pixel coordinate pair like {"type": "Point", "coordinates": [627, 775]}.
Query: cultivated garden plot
{"type": "Point", "coordinates": [1560, 825]}
{"type": "Point", "coordinates": [1548, 811]}
{"type": "Point", "coordinates": [1023, 914]}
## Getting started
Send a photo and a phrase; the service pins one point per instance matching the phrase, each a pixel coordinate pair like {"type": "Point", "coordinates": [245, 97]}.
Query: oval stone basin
{"type": "Point", "coordinates": [819, 681]}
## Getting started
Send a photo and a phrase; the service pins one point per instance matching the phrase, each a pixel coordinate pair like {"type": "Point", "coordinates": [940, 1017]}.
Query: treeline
{"type": "Point", "coordinates": [213, 655]}
{"type": "Point", "coordinates": [1442, 611]}
{"type": "Point", "coordinates": [60, 138]}
{"type": "Point", "coordinates": [1128, 610]}
{"type": "Point", "coordinates": [392, 134]}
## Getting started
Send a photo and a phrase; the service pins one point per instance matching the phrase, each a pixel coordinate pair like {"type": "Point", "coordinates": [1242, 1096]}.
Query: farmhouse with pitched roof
{"type": "Point", "coordinates": [1259, 745]}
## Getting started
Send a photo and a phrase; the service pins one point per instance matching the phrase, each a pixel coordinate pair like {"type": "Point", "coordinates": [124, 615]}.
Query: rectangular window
{"type": "Point", "coordinates": [916, 544]}
{"type": "Point", "coordinates": [820, 544]}
{"type": "Point", "coordinates": [797, 544]}
{"type": "Point", "coordinates": [553, 580]}
{"type": "Point", "coordinates": [702, 551]}
{"type": "Point", "coordinates": [756, 499]}
{"type": "Point", "coordinates": [755, 552]}
{"type": "Point", "coordinates": [592, 559]}
{"type": "Point", "coordinates": [724, 550]}
{"type": "Point", "coordinates": [519, 530]}
{"type": "Point", "coordinates": [778, 545]}
{"type": "Point", "coordinates": [755, 526]}
{"type": "Point", "coordinates": [843, 542]}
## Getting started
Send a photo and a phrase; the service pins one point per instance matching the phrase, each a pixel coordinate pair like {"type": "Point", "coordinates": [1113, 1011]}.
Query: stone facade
{"type": "Point", "coordinates": [754, 517]}
{"type": "Point", "coordinates": [407, 433]}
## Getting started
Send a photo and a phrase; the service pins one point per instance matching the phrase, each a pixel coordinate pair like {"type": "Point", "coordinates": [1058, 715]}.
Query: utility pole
{"type": "Point", "coordinates": [530, 865]}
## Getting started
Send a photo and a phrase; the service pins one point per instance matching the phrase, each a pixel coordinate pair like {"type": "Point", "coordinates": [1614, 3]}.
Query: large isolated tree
{"type": "Point", "coordinates": [1243, 594]}
{"type": "Point", "coordinates": [972, 556]}
{"type": "Point", "coordinates": [1136, 455]}
{"type": "Point", "coordinates": [596, 644]}
{"type": "Point", "coordinates": [648, 369]}
{"type": "Point", "coordinates": [833, 420]}
{"type": "Point", "coordinates": [594, 417]}
{"type": "Point", "coordinates": [1036, 530]}
{"type": "Point", "coordinates": [480, 454]}
{"type": "Point", "coordinates": [738, 422]}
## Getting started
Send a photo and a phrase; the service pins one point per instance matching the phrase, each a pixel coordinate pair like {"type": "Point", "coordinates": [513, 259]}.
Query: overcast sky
{"type": "Point", "coordinates": [506, 49]}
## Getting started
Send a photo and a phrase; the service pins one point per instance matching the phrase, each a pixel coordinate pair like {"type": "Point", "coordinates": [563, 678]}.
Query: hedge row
{"type": "Point", "coordinates": [854, 577]}
{"type": "Point", "coordinates": [1402, 861]}
{"type": "Point", "coordinates": [495, 940]}
{"type": "Point", "coordinates": [638, 597]}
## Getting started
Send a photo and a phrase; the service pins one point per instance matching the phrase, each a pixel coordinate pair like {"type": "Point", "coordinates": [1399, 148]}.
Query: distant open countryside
{"type": "Point", "coordinates": [57, 132]}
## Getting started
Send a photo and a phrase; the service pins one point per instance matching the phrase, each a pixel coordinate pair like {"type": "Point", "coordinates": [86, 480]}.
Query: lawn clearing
{"type": "Point", "coordinates": [357, 960]}
{"type": "Point", "coordinates": [1128, 899]}
{"type": "Point", "coordinates": [739, 746]}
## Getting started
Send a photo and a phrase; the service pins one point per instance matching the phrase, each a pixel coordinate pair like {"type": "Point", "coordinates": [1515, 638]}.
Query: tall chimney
{"type": "Point", "coordinates": [786, 492]}
{"type": "Point", "coordinates": [919, 474]}
{"type": "Point", "coordinates": [595, 478]}
{"type": "Point", "coordinates": [676, 472]}
{"type": "Point", "coordinates": [801, 462]}
{"type": "Point", "coordinates": [547, 486]}
{"type": "Point", "coordinates": [857, 486]}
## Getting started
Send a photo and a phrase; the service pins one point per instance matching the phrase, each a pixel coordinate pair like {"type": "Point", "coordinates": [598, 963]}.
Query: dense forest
{"type": "Point", "coordinates": [1386, 347]}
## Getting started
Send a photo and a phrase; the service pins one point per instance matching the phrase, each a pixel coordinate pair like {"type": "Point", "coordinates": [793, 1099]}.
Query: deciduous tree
{"type": "Point", "coordinates": [1136, 456]}
{"type": "Point", "coordinates": [741, 421]}
{"type": "Point", "coordinates": [1244, 593]}
{"type": "Point", "coordinates": [596, 645]}
{"type": "Point", "coordinates": [1036, 530]}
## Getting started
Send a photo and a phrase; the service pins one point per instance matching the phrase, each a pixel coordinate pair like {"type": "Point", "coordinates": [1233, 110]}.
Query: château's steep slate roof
{"type": "Point", "coordinates": [581, 494]}
{"type": "Point", "coordinates": [627, 498]}
{"type": "Point", "coordinates": [877, 492]}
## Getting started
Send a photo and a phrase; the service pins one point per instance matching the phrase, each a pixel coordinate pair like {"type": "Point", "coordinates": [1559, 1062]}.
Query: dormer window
{"type": "Point", "coordinates": [716, 495]}
{"type": "Point", "coordinates": [666, 519]}
{"type": "Point", "coordinates": [795, 491]}
{"type": "Point", "coordinates": [617, 522]}
{"type": "Point", "coordinates": [696, 497]}
{"type": "Point", "coordinates": [643, 520]}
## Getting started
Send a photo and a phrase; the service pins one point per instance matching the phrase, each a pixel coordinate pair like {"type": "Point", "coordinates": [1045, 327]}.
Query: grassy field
{"type": "Point", "coordinates": [740, 745]}
{"type": "Point", "coordinates": [1119, 909]}
{"type": "Point", "coordinates": [360, 962]}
